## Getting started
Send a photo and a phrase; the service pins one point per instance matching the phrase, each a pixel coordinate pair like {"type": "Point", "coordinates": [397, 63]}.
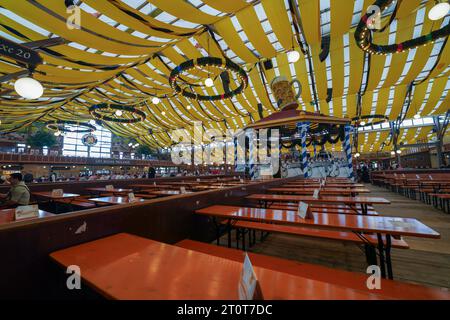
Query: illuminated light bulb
{"type": "Point", "coordinates": [363, 123]}
{"type": "Point", "coordinates": [417, 116]}
{"type": "Point", "coordinates": [29, 88]}
{"type": "Point", "coordinates": [209, 82]}
{"type": "Point", "coordinates": [393, 153]}
{"type": "Point", "coordinates": [92, 122]}
{"type": "Point", "coordinates": [293, 56]}
{"type": "Point", "coordinates": [439, 11]}
{"type": "Point", "coordinates": [163, 113]}
{"type": "Point", "coordinates": [357, 155]}
{"type": "Point", "coordinates": [155, 100]}
{"type": "Point", "coordinates": [118, 113]}
{"type": "Point", "coordinates": [57, 133]}
{"type": "Point", "coordinates": [399, 151]}
{"type": "Point", "coordinates": [188, 107]}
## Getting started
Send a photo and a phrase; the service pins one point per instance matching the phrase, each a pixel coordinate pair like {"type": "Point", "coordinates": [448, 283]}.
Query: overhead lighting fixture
{"type": "Point", "coordinates": [293, 56]}
{"type": "Point", "coordinates": [28, 88]}
{"type": "Point", "coordinates": [92, 122]}
{"type": "Point", "coordinates": [417, 116]}
{"type": "Point", "coordinates": [156, 100]}
{"type": "Point", "coordinates": [399, 151]}
{"type": "Point", "coordinates": [57, 133]}
{"type": "Point", "coordinates": [392, 153]}
{"type": "Point", "coordinates": [357, 155]}
{"type": "Point", "coordinates": [118, 113]}
{"type": "Point", "coordinates": [363, 123]}
{"type": "Point", "coordinates": [439, 11]}
{"type": "Point", "coordinates": [209, 82]}
{"type": "Point", "coordinates": [163, 113]}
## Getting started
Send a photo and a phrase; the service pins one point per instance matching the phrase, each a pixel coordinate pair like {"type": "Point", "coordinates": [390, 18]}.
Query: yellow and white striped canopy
{"type": "Point", "coordinates": [126, 49]}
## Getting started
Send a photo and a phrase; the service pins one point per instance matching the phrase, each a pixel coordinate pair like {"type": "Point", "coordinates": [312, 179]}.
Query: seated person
{"type": "Point", "coordinates": [18, 195]}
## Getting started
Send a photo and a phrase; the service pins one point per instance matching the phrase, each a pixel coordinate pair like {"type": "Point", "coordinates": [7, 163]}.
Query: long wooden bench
{"type": "Point", "coordinates": [242, 226]}
{"type": "Point", "coordinates": [354, 280]}
{"type": "Point", "coordinates": [341, 209]}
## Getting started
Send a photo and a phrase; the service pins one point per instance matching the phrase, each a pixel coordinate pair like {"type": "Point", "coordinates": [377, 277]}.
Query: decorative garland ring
{"type": "Point", "coordinates": [60, 125]}
{"type": "Point", "coordinates": [93, 110]}
{"type": "Point", "coordinates": [363, 36]}
{"type": "Point", "coordinates": [226, 64]}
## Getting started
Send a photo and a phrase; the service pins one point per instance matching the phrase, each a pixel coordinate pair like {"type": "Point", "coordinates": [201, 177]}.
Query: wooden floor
{"type": "Point", "coordinates": [427, 262]}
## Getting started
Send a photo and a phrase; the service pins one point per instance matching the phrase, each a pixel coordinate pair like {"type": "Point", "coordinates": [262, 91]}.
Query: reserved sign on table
{"type": "Point", "coordinates": [57, 192]}
{"type": "Point", "coordinates": [24, 212]}
{"type": "Point", "coordinates": [248, 283]}
{"type": "Point", "coordinates": [316, 194]}
{"type": "Point", "coordinates": [131, 197]}
{"type": "Point", "coordinates": [304, 211]}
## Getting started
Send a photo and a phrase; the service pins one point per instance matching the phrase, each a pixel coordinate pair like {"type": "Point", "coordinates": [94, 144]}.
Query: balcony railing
{"type": "Point", "coordinates": [20, 158]}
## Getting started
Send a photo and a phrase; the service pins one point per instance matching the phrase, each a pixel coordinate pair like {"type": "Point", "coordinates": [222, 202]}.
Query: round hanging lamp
{"type": "Point", "coordinates": [115, 112]}
{"type": "Point", "coordinates": [219, 63]}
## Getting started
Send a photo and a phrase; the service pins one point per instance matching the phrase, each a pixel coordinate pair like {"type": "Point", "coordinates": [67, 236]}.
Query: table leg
{"type": "Point", "coordinates": [363, 209]}
{"type": "Point", "coordinates": [388, 257]}
{"type": "Point", "coordinates": [381, 254]}
{"type": "Point", "coordinates": [229, 233]}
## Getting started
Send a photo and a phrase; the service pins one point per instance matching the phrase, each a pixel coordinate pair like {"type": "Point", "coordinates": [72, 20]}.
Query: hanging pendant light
{"type": "Point", "coordinates": [417, 116]}
{"type": "Point", "coordinates": [92, 122]}
{"type": "Point", "coordinates": [156, 100]}
{"type": "Point", "coordinates": [118, 113]}
{"type": "Point", "coordinates": [29, 88]}
{"type": "Point", "coordinates": [439, 11]}
{"type": "Point", "coordinates": [209, 82]}
{"type": "Point", "coordinates": [293, 56]}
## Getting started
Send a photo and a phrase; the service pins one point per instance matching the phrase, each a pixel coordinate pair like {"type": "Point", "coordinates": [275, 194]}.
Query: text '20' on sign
{"type": "Point", "coordinates": [19, 52]}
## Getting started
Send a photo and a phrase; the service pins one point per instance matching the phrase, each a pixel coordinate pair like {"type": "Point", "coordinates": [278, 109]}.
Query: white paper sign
{"type": "Point", "coordinates": [247, 282]}
{"type": "Point", "coordinates": [183, 190]}
{"type": "Point", "coordinates": [57, 192]}
{"type": "Point", "coordinates": [302, 209]}
{"type": "Point", "coordinates": [241, 180]}
{"type": "Point", "coordinates": [24, 212]}
{"type": "Point", "coordinates": [198, 180]}
{"type": "Point", "coordinates": [109, 187]}
{"type": "Point", "coordinates": [131, 197]}
{"type": "Point", "coordinates": [316, 194]}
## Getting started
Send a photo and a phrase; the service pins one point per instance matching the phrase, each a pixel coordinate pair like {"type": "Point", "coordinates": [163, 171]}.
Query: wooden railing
{"type": "Point", "coordinates": [19, 158]}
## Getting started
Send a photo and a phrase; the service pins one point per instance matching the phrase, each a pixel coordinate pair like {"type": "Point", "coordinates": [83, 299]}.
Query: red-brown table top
{"type": "Point", "coordinates": [323, 199]}
{"type": "Point", "coordinates": [329, 185]}
{"type": "Point", "coordinates": [322, 191]}
{"type": "Point", "coordinates": [164, 192]}
{"type": "Point", "coordinates": [116, 200]}
{"type": "Point", "coordinates": [356, 223]}
{"type": "Point", "coordinates": [8, 215]}
{"type": "Point", "coordinates": [125, 266]}
{"type": "Point", "coordinates": [110, 190]}
{"type": "Point", "coordinates": [150, 186]}
{"type": "Point", "coordinates": [48, 194]}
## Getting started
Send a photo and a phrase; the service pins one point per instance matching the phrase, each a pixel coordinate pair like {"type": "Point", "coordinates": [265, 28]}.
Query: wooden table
{"type": "Point", "coordinates": [115, 200]}
{"type": "Point", "coordinates": [323, 191]}
{"type": "Point", "coordinates": [164, 193]}
{"type": "Point", "coordinates": [8, 216]}
{"type": "Point", "coordinates": [113, 191]}
{"type": "Point", "coordinates": [351, 201]}
{"type": "Point", "coordinates": [387, 226]}
{"type": "Point", "coordinates": [152, 186]}
{"type": "Point", "coordinates": [329, 185]}
{"type": "Point", "coordinates": [125, 266]}
{"type": "Point", "coordinates": [53, 199]}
